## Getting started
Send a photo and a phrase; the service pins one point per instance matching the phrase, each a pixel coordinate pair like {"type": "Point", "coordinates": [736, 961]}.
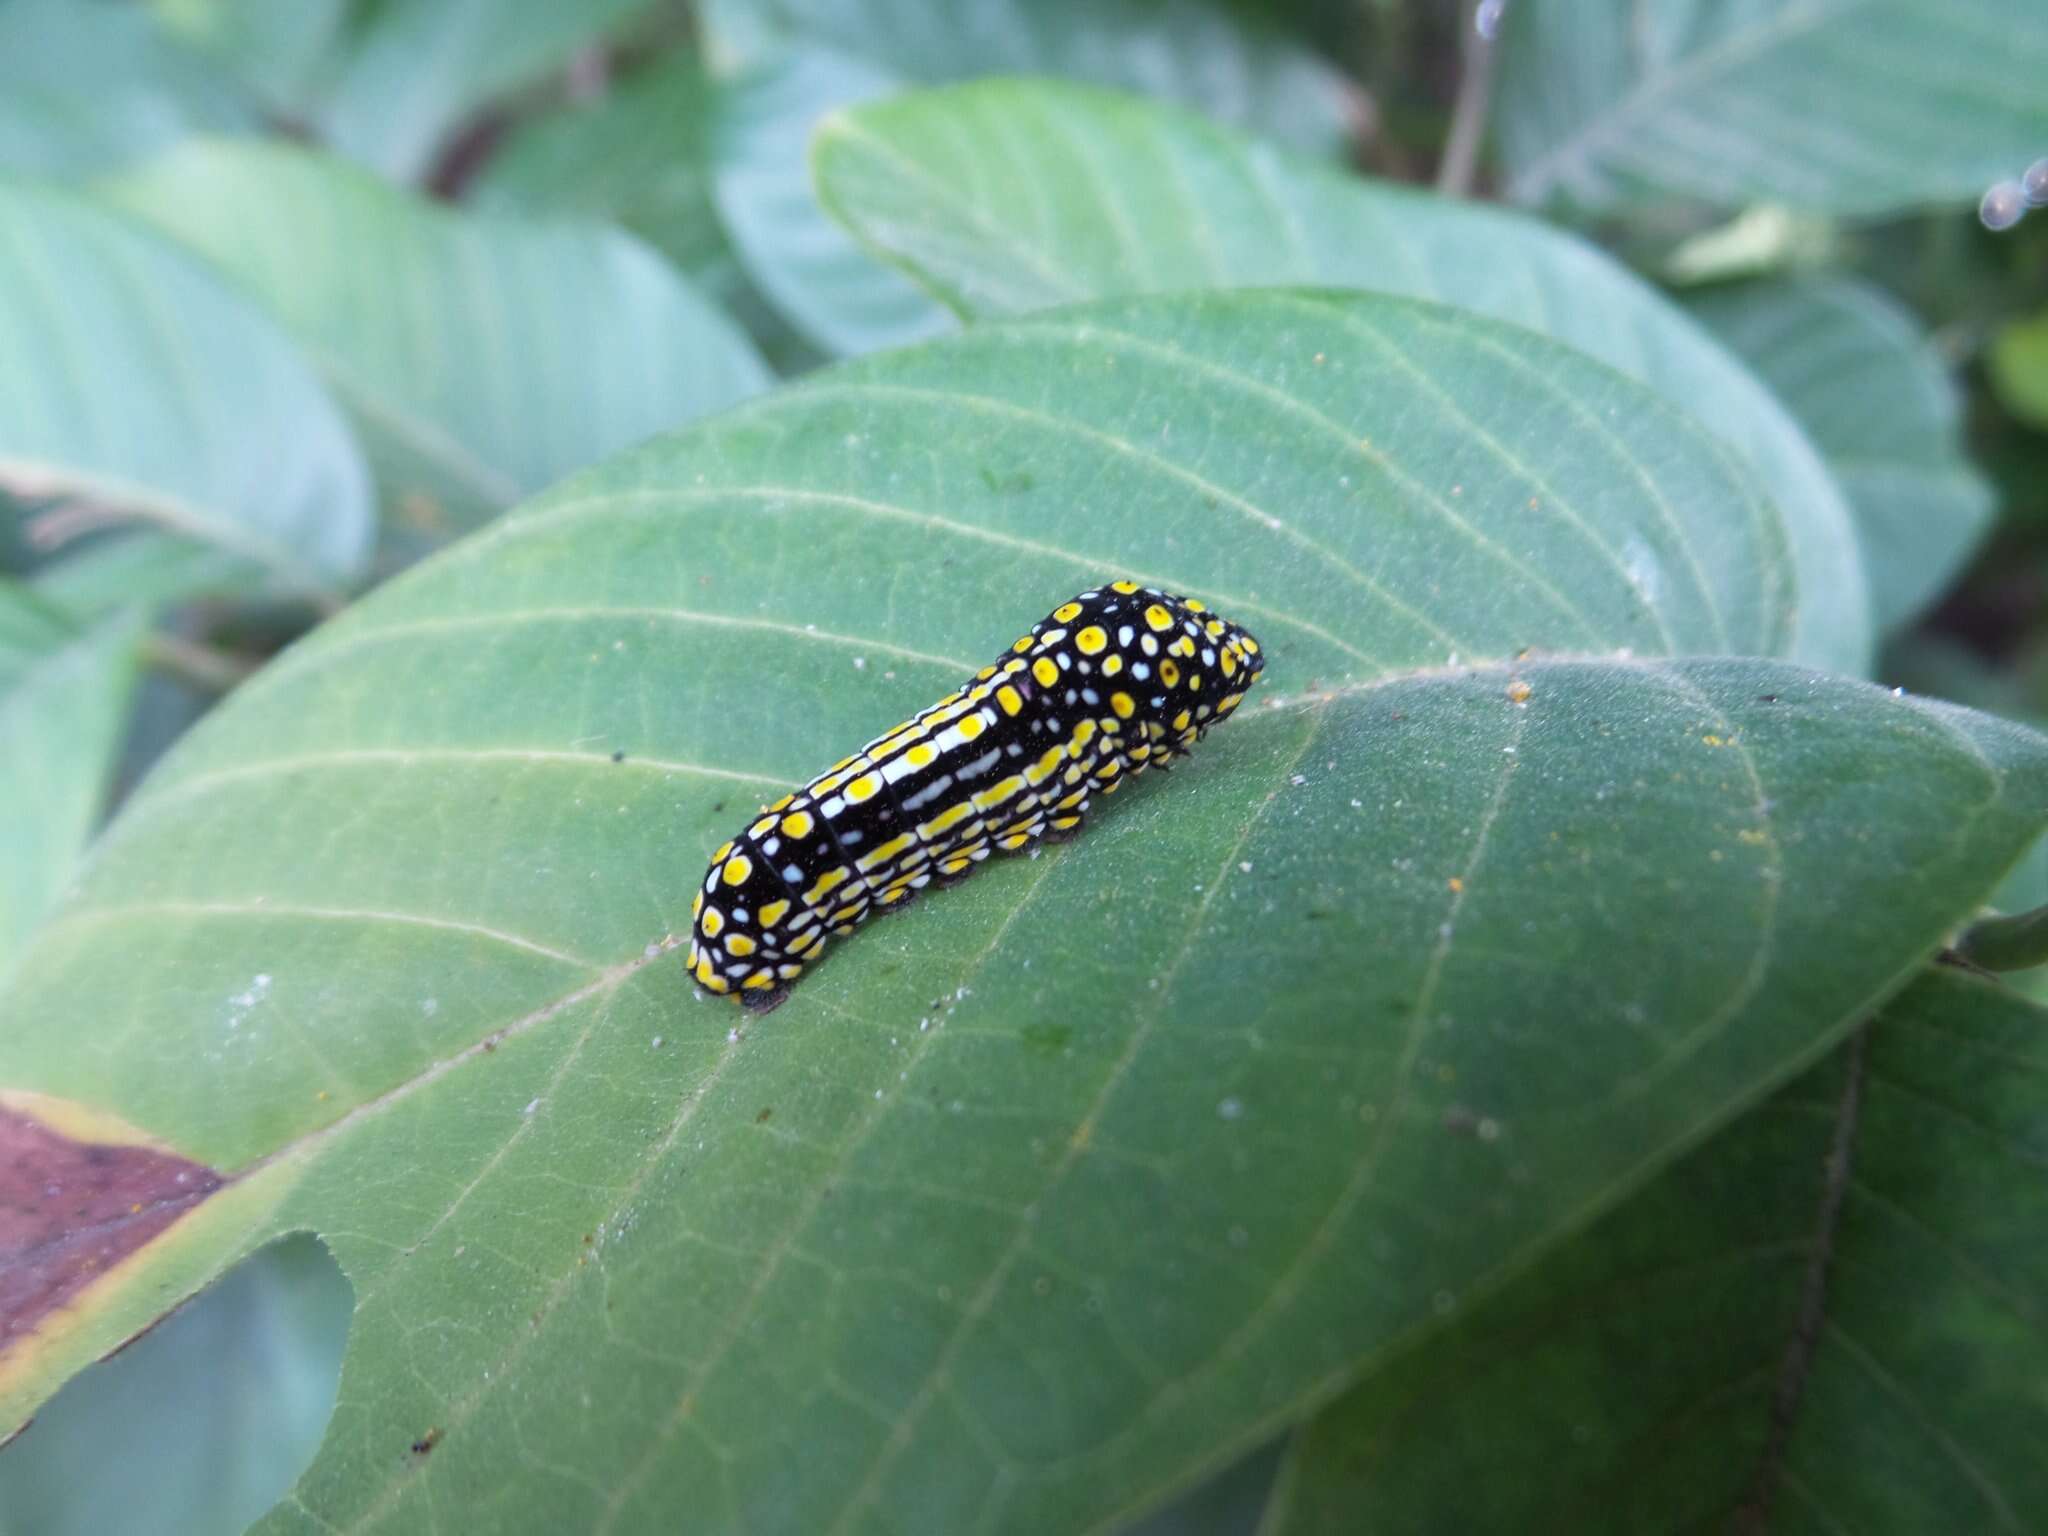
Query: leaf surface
{"type": "Point", "coordinates": [1119, 196]}
{"type": "Point", "coordinates": [788, 63]}
{"type": "Point", "coordinates": [136, 382]}
{"type": "Point", "coordinates": [84, 88]}
{"type": "Point", "coordinates": [482, 357]}
{"type": "Point", "coordinates": [64, 690]}
{"type": "Point", "coordinates": [1035, 1199]}
{"type": "Point", "coordinates": [1830, 1312]}
{"type": "Point", "coordinates": [419, 67]}
{"type": "Point", "coordinates": [1844, 106]}
{"type": "Point", "coordinates": [1865, 382]}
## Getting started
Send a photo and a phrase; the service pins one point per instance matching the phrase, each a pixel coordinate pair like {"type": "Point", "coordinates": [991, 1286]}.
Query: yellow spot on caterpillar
{"type": "Point", "coordinates": [1158, 617]}
{"type": "Point", "coordinates": [1066, 613]}
{"type": "Point", "coordinates": [789, 972]}
{"type": "Point", "coordinates": [798, 824]}
{"type": "Point", "coordinates": [1125, 587]}
{"type": "Point", "coordinates": [1012, 844]}
{"type": "Point", "coordinates": [1169, 673]}
{"type": "Point", "coordinates": [1195, 607]}
{"type": "Point", "coordinates": [761, 828]}
{"type": "Point", "coordinates": [1229, 660]}
{"type": "Point", "coordinates": [1180, 721]}
{"type": "Point", "coordinates": [713, 921]}
{"type": "Point", "coordinates": [971, 726]}
{"type": "Point", "coordinates": [772, 913]}
{"type": "Point", "coordinates": [1011, 700]}
{"type": "Point", "coordinates": [1124, 705]}
{"type": "Point", "coordinates": [921, 755]}
{"type": "Point", "coordinates": [697, 904]}
{"type": "Point", "coordinates": [778, 805]}
{"type": "Point", "coordinates": [984, 674]}
{"type": "Point", "coordinates": [1091, 640]}
{"type": "Point", "coordinates": [1214, 627]}
{"type": "Point", "coordinates": [828, 882]}
{"type": "Point", "coordinates": [1194, 682]}
{"type": "Point", "coordinates": [739, 944]}
{"type": "Point", "coordinates": [737, 868]}
{"type": "Point", "coordinates": [759, 981]}
{"type": "Point", "coordinates": [1251, 645]}
{"type": "Point", "coordinates": [998, 792]}
{"type": "Point", "coordinates": [1046, 673]}
{"type": "Point", "coordinates": [884, 852]}
{"type": "Point", "coordinates": [864, 787]}
{"type": "Point", "coordinates": [1022, 645]}
{"type": "Point", "coordinates": [946, 820]}
{"type": "Point", "coordinates": [1111, 665]}
{"type": "Point", "coordinates": [723, 850]}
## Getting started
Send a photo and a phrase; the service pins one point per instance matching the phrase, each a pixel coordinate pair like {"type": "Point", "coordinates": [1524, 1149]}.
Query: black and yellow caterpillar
{"type": "Point", "coordinates": [1121, 677]}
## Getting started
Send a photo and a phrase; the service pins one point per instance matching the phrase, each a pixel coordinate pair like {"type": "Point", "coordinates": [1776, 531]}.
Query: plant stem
{"type": "Point", "coordinates": [2007, 943]}
{"type": "Point", "coordinates": [203, 666]}
{"type": "Point", "coordinates": [1468, 114]}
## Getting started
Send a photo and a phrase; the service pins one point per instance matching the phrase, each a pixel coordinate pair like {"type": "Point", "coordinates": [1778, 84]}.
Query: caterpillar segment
{"type": "Point", "coordinates": [1119, 679]}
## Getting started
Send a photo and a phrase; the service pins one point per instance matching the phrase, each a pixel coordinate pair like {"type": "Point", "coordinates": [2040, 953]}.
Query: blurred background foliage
{"type": "Point", "coordinates": [294, 294]}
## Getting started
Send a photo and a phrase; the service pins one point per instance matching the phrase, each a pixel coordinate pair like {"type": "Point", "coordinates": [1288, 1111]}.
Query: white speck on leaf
{"type": "Point", "coordinates": [531, 1106]}
{"type": "Point", "coordinates": [1230, 1109]}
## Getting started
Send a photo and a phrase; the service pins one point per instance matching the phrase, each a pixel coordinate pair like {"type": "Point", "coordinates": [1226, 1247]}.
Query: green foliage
{"type": "Point", "coordinates": [1855, 109]}
{"type": "Point", "coordinates": [1877, 401]}
{"type": "Point", "coordinates": [1538, 1064]}
{"type": "Point", "coordinates": [416, 316]}
{"type": "Point", "coordinates": [1133, 198]}
{"type": "Point", "coordinates": [136, 380]}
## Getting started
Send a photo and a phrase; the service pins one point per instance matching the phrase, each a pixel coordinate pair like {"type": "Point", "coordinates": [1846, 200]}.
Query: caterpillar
{"type": "Point", "coordinates": [1106, 685]}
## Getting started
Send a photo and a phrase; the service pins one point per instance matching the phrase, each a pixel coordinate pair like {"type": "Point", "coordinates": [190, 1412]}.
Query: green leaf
{"type": "Point", "coordinates": [286, 54]}
{"type": "Point", "coordinates": [1860, 374]}
{"type": "Point", "coordinates": [420, 67]}
{"type": "Point", "coordinates": [86, 87]}
{"type": "Point", "coordinates": [481, 357]}
{"type": "Point", "coordinates": [133, 380]}
{"type": "Point", "coordinates": [2019, 368]}
{"type": "Point", "coordinates": [143, 569]}
{"type": "Point", "coordinates": [1035, 1200]}
{"type": "Point", "coordinates": [833, 294]}
{"type": "Point", "coordinates": [201, 1424]}
{"type": "Point", "coordinates": [640, 156]}
{"type": "Point", "coordinates": [1866, 108]}
{"type": "Point", "coordinates": [789, 63]}
{"type": "Point", "coordinates": [64, 691]}
{"type": "Point", "coordinates": [1120, 197]}
{"type": "Point", "coordinates": [1228, 63]}
{"type": "Point", "coordinates": [1831, 1311]}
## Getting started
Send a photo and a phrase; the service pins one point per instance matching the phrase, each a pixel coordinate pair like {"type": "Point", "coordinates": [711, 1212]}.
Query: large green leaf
{"type": "Point", "coordinates": [84, 87]}
{"type": "Point", "coordinates": [1040, 1197]}
{"type": "Point", "coordinates": [285, 54]}
{"type": "Point", "coordinates": [64, 691]}
{"type": "Point", "coordinates": [640, 156]}
{"type": "Point", "coordinates": [788, 63]}
{"type": "Point", "coordinates": [1868, 386]}
{"type": "Point", "coordinates": [481, 356]}
{"type": "Point", "coordinates": [1854, 106]}
{"type": "Point", "coordinates": [1224, 60]}
{"type": "Point", "coordinates": [133, 379]}
{"type": "Point", "coordinates": [419, 67]}
{"type": "Point", "coordinates": [1119, 196]}
{"type": "Point", "coordinates": [1832, 1311]}
{"type": "Point", "coordinates": [835, 295]}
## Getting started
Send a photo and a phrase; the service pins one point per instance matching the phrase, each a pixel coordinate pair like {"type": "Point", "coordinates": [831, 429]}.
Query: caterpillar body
{"type": "Point", "coordinates": [1104, 686]}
